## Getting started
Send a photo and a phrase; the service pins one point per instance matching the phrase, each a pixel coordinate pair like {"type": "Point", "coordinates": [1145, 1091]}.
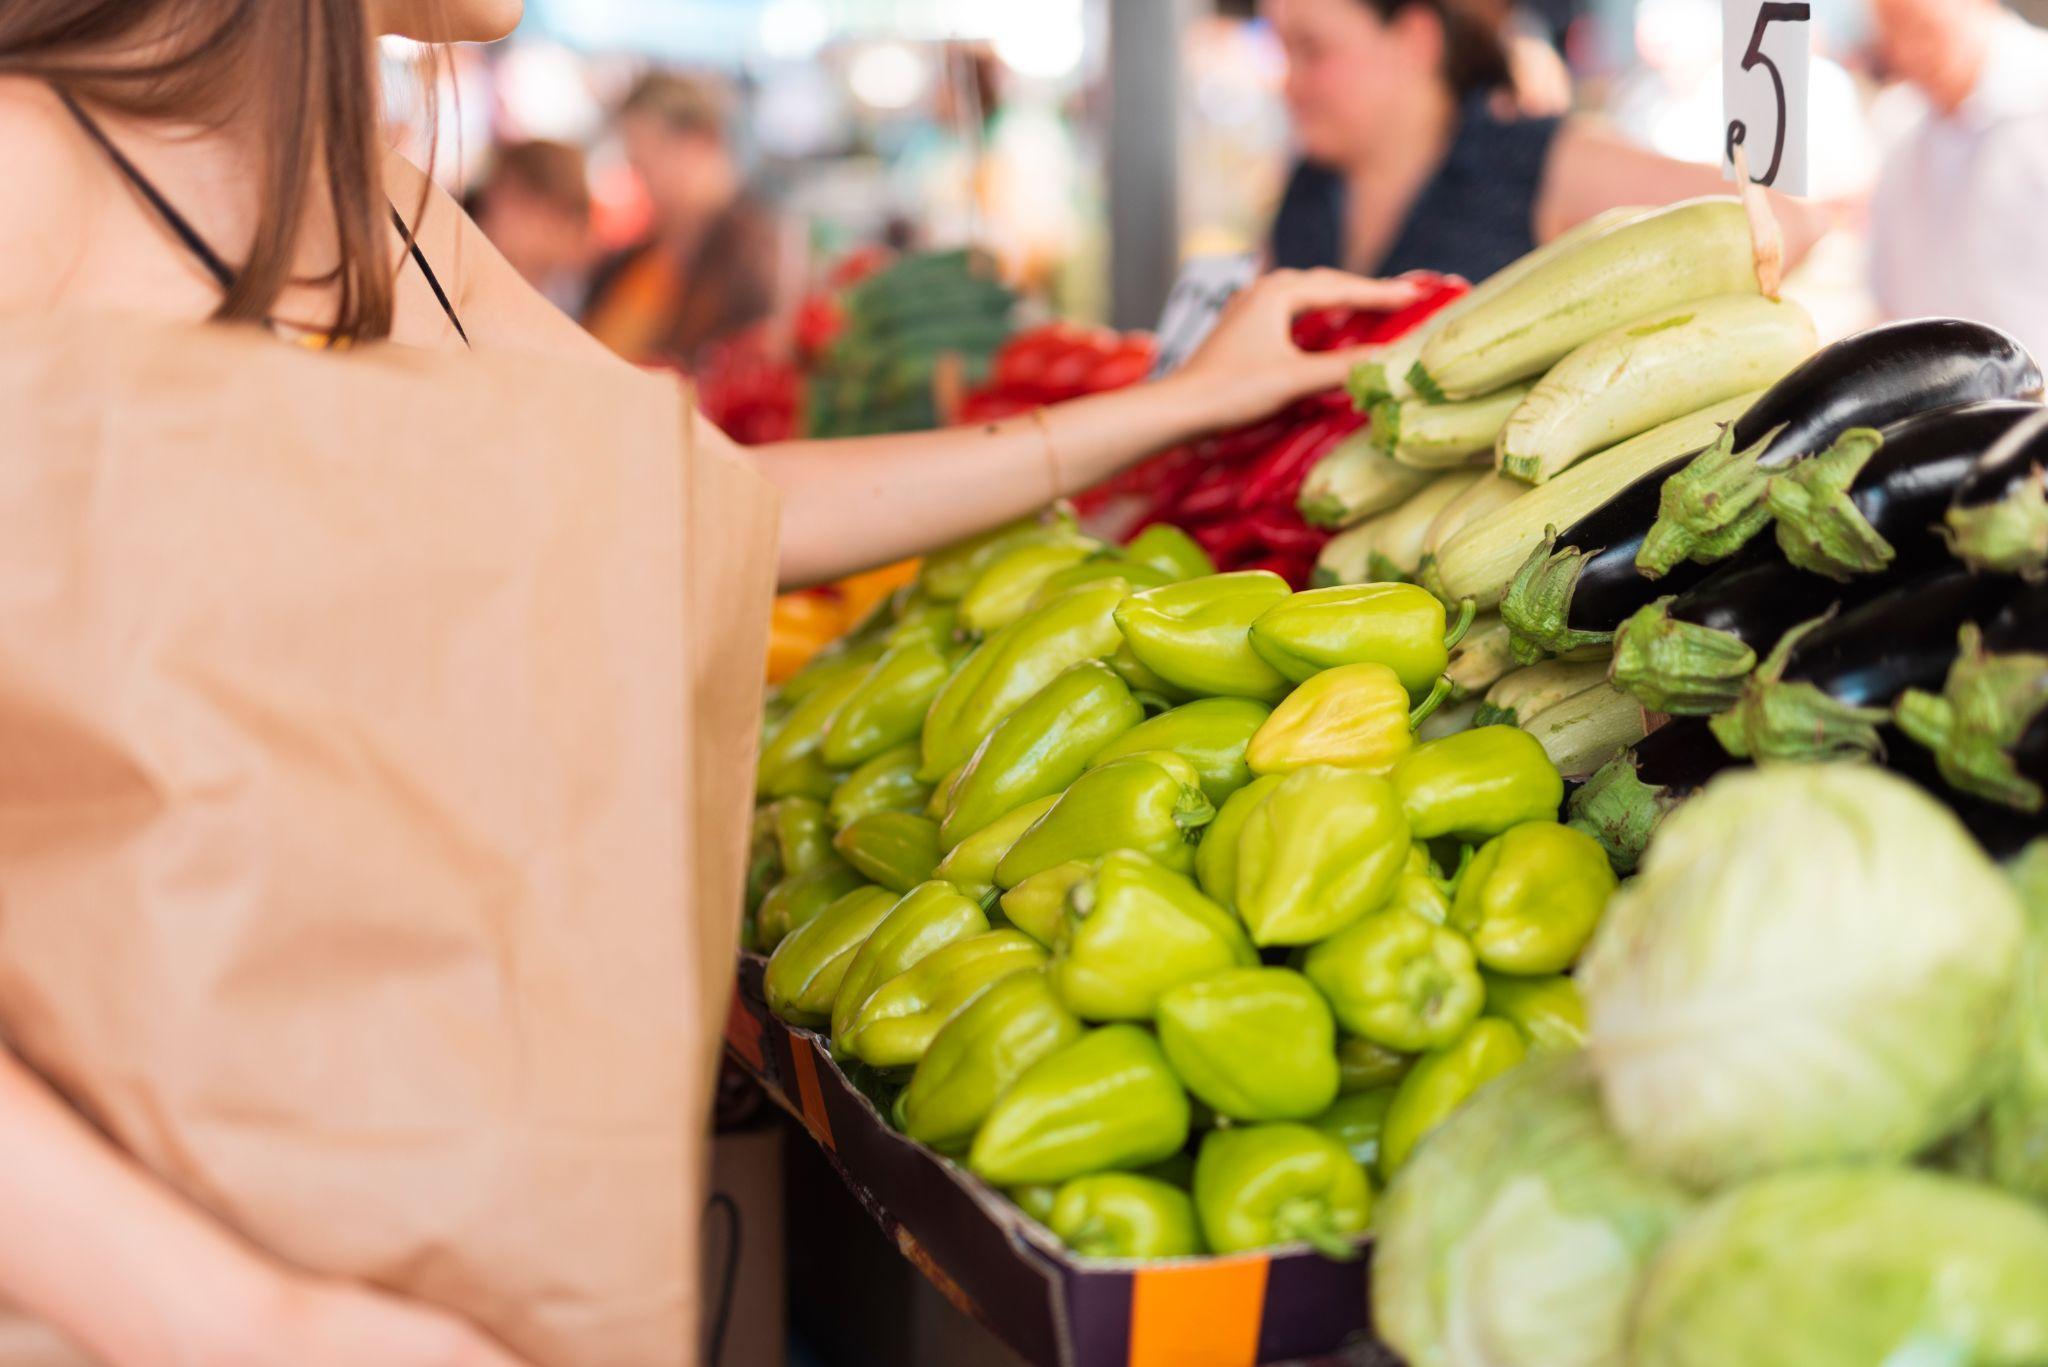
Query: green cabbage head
{"type": "Point", "coordinates": [1851, 1267]}
{"type": "Point", "coordinates": [2016, 1124]}
{"type": "Point", "coordinates": [1812, 967]}
{"type": "Point", "coordinates": [1517, 1235]}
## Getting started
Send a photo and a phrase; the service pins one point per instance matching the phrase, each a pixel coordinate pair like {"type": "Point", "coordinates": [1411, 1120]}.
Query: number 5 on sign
{"type": "Point", "coordinates": [1765, 49]}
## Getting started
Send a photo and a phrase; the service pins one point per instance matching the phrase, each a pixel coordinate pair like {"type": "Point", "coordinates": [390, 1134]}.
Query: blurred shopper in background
{"type": "Point", "coordinates": [707, 267]}
{"type": "Point", "coordinates": [1960, 220]}
{"type": "Point", "coordinates": [534, 206]}
{"type": "Point", "coordinates": [1415, 156]}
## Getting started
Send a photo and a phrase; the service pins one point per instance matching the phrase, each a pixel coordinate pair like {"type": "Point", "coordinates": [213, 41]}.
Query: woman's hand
{"type": "Point", "coordinates": [315, 1323]}
{"type": "Point", "coordinates": [1249, 367]}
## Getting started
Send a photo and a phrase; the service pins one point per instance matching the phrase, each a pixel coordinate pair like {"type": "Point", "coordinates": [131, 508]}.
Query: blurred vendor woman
{"type": "Point", "coordinates": [222, 159]}
{"type": "Point", "coordinates": [1414, 155]}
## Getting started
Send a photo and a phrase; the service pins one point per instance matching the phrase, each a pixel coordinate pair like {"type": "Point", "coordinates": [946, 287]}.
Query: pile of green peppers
{"type": "Point", "coordinates": [1131, 889]}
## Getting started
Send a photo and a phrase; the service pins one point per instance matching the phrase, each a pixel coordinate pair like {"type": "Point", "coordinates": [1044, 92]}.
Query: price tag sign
{"type": "Point", "coordinates": [1205, 285]}
{"type": "Point", "coordinates": [1766, 48]}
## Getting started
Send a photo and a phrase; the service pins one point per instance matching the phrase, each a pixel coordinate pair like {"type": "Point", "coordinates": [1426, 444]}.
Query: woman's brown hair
{"type": "Point", "coordinates": [299, 74]}
{"type": "Point", "coordinates": [1475, 54]}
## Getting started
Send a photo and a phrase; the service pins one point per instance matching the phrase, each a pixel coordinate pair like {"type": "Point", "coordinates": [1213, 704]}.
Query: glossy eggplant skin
{"type": "Point", "coordinates": [1925, 460]}
{"type": "Point", "coordinates": [2000, 472]}
{"type": "Point", "coordinates": [1680, 756]}
{"type": "Point", "coordinates": [1758, 599]}
{"type": "Point", "coordinates": [2002, 831]}
{"type": "Point", "coordinates": [1901, 639]}
{"type": "Point", "coordinates": [1880, 376]}
{"type": "Point", "coordinates": [1610, 587]}
{"type": "Point", "coordinates": [2021, 625]}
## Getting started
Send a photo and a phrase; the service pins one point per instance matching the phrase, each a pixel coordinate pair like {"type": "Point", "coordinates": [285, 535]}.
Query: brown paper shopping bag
{"type": "Point", "coordinates": [374, 736]}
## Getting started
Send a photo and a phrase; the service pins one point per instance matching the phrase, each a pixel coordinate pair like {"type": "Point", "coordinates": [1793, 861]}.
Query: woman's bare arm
{"type": "Point", "coordinates": [1593, 169]}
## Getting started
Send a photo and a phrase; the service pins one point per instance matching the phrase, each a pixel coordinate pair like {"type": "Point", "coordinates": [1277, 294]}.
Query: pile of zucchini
{"type": "Point", "coordinates": [1696, 541]}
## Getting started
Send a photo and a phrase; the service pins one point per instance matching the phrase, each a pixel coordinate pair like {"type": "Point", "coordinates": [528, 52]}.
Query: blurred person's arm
{"type": "Point", "coordinates": [110, 1257]}
{"type": "Point", "coordinates": [1593, 168]}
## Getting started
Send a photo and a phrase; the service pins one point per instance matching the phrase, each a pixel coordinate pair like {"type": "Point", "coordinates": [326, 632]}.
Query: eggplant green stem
{"type": "Point", "coordinates": [1438, 692]}
{"type": "Point", "coordinates": [1538, 604]}
{"type": "Point", "coordinates": [1775, 720]}
{"type": "Point", "coordinates": [1468, 611]}
{"type": "Point", "coordinates": [1820, 528]}
{"type": "Point", "coordinates": [1988, 704]}
{"type": "Point", "coordinates": [2009, 536]}
{"type": "Point", "coordinates": [1620, 811]}
{"type": "Point", "coordinates": [1707, 511]}
{"type": "Point", "coordinates": [1678, 667]}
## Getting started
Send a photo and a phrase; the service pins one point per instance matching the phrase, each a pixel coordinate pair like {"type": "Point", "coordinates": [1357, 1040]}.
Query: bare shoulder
{"type": "Point", "coordinates": [44, 215]}
{"type": "Point", "coordinates": [498, 309]}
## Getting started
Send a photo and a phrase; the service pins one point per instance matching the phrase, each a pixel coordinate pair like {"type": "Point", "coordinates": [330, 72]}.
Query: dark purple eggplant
{"type": "Point", "coordinates": [1874, 501]}
{"type": "Point", "coordinates": [1876, 377]}
{"type": "Point", "coordinates": [1830, 684]}
{"type": "Point", "coordinates": [1581, 585]}
{"type": "Point", "coordinates": [1688, 655]}
{"type": "Point", "coordinates": [1987, 730]}
{"type": "Point", "coordinates": [2001, 829]}
{"type": "Point", "coordinates": [1622, 804]}
{"type": "Point", "coordinates": [1999, 518]}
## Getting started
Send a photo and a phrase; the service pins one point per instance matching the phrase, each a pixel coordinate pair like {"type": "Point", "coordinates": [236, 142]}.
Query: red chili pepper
{"type": "Point", "coordinates": [1125, 366]}
{"type": "Point", "coordinates": [1295, 569]}
{"type": "Point", "coordinates": [1438, 290]}
{"type": "Point", "coordinates": [1277, 476]}
{"type": "Point", "coordinates": [1283, 531]}
{"type": "Point", "coordinates": [1218, 489]}
{"type": "Point", "coordinates": [1225, 542]}
{"type": "Point", "coordinates": [1313, 330]}
{"type": "Point", "coordinates": [1240, 442]}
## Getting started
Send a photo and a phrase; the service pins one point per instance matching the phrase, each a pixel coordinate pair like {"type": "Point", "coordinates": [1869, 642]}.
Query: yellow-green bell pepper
{"type": "Point", "coordinates": [1322, 848]}
{"type": "Point", "coordinates": [928, 917]}
{"type": "Point", "coordinates": [977, 1055]}
{"type": "Point", "coordinates": [798, 899]}
{"type": "Point", "coordinates": [1397, 980]}
{"type": "Point", "coordinates": [1107, 1101]}
{"type": "Point", "coordinates": [1363, 1066]}
{"type": "Point", "coordinates": [1548, 1012]}
{"type": "Point", "coordinates": [971, 865]}
{"type": "Point", "coordinates": [1209, 733]}
{"type": "Point", "coordinates": [1356, 1121]}
{"type": "Point", "coordinates": [1041, 748]}
{"type": "Point", "coordinates": [898, 850]}
{"type": "Point", "coordinates": [1038, 905]}
{"type": "Point", "coordinates": [1123, 1215]}
{"type": "Point", "coordinates": [1441, 1082]}
{"type": "Point", "coordinates": [1396, 625]}
{"type": "Point", "coordinates": [1004, 591]}
{"type": "Point", "coordinates": [896, 1024]}
{"type": "Point", "coordinates": [1353, 717]}
{"type": "Point", "coordinates": [1134, 930]}
{"type": "Point", "coordinates": [1532, 898]}
{"type": "Point", "coordinates": [1477, 783]}
{"type": "Point", "coordinates": [1195, 635]}
{"type": "Point", "coordinates": [1261, 1185]}
{"type": "Point", "coordinates": [886, 783]}
{"type": "Point", "coordinates": [1252, 1043]}
{"type": "Point", "coordinates": [1166, 547]}
{"type": "Point", "coordinates": [950, 572]}
{"type": "Point", "coordinates": [1152, 803]}
{"type": "Point", "coordinates": [886, 708]}
{"type": "Point", "coordinates": [806, 969]}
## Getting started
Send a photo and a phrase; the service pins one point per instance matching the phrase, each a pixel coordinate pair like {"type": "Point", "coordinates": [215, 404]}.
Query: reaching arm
{"type": "Point", "coordinates": [851, 505]}
{"type": "Point", "coordinates": [1593, 169]}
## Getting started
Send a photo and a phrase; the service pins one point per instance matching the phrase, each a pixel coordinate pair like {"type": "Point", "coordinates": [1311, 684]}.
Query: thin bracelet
{"type": "Point", "coordinates": [1052, 452]}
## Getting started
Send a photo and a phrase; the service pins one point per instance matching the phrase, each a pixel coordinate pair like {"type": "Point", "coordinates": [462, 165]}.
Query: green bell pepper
{"type": "Point", "coordinates": [971, 865]}
{"type": "Point", "coordinates": [1532, 897]}
{"type": "Point", "coordinates": [1252, 1043]}
{"type": "Point", "coordinates": [1396, 625]}
{"type": "Point", "coordinates": [1006, 669]}
{"type": "Point", "coordinates": [788, 837]}
{"type": "Point", "coordinates": [1035, 1199]}
{"type": "Point", "coordinates": [1356, 1121]}
{"type": "Point", "coordinates": [803, 733]}
{"type": "Point", "coordinates": [899, 850]}
{"type": "Point", "coordinates": [886, 783]}
{"type": "Point", "coordinates": [1106, 1101]}
{"type": "Point", "coordinates": [1135, 930]}
{"type": "Point", "coordinates": [1261, 1185]}
{"type": "Point", "coordinates": [949, 573]}
{"type": "Point", "coordinates": [1127, 575]}
{"type": "Point", "coordinates": [928, 917]}
{"type": "Point", "coordinates": [1151, 803]}
{"type": "Point", "coordinates": [1549, 1013]}
{"type": "Point", "coordinates": [1041, 748]}
{"type": "Point", "coordinates": [1209, 733]}
{"type": "Point", "coordinates": [1123, 1215]}
{"type": "Point", "coordinates": [942, 792]}
{"type": "Point", "coordinates": [798, 899]}
{"type": "Point", "coordinates": [805, 971]}
{"type": "Point", "coordinates": [1420, 890]}
{"type": "Point", "coordinates": [1004, 591]}
{"type": "Point", "coordinates": [1195, 636]}
{"type": "Point", "coordinates": [1363, 1066]}
{"type": "Point", "coordinates": [1352, 716]}
{"type": "Point", "coordinates": [1477, 783]}
{"type": "Point", "coordinates": [977, 1055]}
{"type": "Point", "coordinates": [896, 1025]}
{"type": "Point", "coordinates": [886, 709]}
{"type": "Point", "coordinates": [918, 614]}
{"type": "Point", "coordinates": [1038, 905]}
{"type": "Point", "coordinates": [1324, 847]}
{"type": "Point", "coordinates": [1166, 547]}
{"type": "Point", "coordinates": [1397, 980]}
{"type": "Point", "coordinates": [806, 776]}
{"type": "Point", "coordinates": [1441, 1082]}
{"type": "Point", "coordinates": [1216, 856]}
{"type": "Point", "coordinates": [840, 664]}
{"type": "Point", "coordinates": [1155, 692]}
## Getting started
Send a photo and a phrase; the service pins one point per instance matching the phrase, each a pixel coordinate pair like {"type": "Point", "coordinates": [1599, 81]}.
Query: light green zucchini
{"type": "Point", "coordinates": [1389, 547]}
{"type": "Point", "coordinates": [1355, 481]}
{"type": "Point", "coordinates": [1445, 436]}
{"type": "Point", "coordinates": [1528, 692]}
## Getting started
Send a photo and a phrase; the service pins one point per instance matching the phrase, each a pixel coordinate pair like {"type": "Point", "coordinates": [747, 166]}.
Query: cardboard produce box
{"type": "Point", "coordinates": [1009, 1272]}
